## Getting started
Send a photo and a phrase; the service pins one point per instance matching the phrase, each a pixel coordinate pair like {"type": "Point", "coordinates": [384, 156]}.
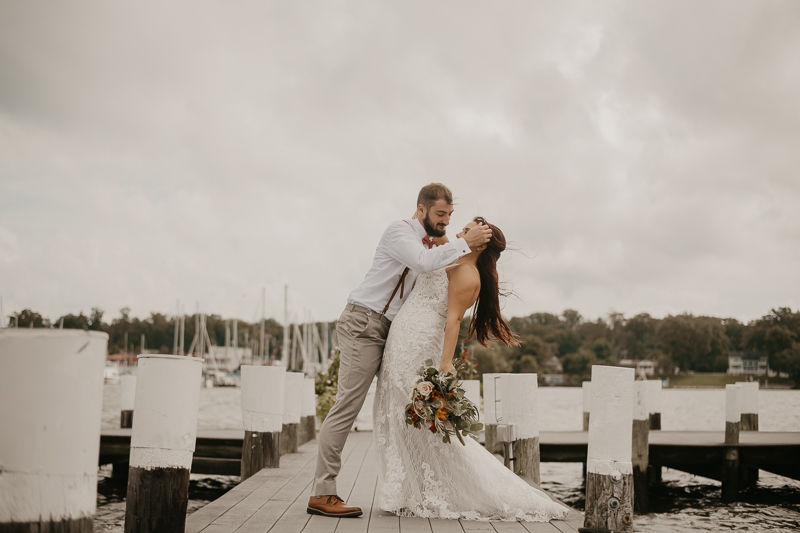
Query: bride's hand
{"type": "Point", "coordinates": [447, 368]}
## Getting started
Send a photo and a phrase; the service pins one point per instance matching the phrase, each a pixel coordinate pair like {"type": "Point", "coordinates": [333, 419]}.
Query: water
{"type": "Point", "coordinates": [685, 503]}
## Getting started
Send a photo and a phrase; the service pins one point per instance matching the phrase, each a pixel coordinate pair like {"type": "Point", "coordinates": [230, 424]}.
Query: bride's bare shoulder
{"type": "Point", "coordinates": [463, 276]}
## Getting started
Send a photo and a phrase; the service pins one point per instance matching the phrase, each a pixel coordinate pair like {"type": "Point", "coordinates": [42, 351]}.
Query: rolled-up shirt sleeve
{"type": "Point", "coordinates": [405, 247]}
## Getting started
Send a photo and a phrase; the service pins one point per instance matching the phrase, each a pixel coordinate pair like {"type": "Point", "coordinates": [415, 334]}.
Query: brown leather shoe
{"type": "Point", "coordinates": [332, 506]}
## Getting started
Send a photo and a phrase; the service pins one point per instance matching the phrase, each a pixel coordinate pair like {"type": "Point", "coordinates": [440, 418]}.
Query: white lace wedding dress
{"type": "Point", "coordinates": [418, 474]}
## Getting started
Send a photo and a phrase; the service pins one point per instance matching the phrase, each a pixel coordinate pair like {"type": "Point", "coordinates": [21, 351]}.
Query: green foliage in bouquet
{"type": "Point", "coordinates": [466, 365]}
{"type": "Point", "coordinates": [326, 386]}
{"type": "Point", "coordinates": [439, 405]}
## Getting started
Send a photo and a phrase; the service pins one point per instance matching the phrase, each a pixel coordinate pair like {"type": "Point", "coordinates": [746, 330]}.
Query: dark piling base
{"type": "Point", "coordinates": [655, 421]}
{"type": "Point", "coordinates": [654, 473]}
{"type": "Point", "coordinates": [289, 438]}
{"type": "Point", "coordinates": [157, 500]}
{"type": "Point", "coordinates": [490, 439]}
{"type": "Point", "coordinates": [126, 419]}
{"type": "Point", "coordinates": [732, 432]}
{"type": "Point", "coordinates": [526, 455]}
{"type": "Point", "coordinates": [311, 427]}
{"type": "Point", "coordinates": [598, 514]}
{"type": "Point", "coordinates": [730, 475]}
{"type": "Point", "coordinates": [260, 450]}
{"type": "Point", "coordinates": [67, 525]}
{"type": "Point", "coordinates": [586, 421]}
{"type": "Point", "coordinates": [749, 422]}
{"type": "Point", "coordinates": [307, 429]}
{"type": "Point", "coordinates": [119, 471]}
{"type": "Point", "coordinates": [640, 458]}
{"type": "Point", "coordinates": [302, 432]}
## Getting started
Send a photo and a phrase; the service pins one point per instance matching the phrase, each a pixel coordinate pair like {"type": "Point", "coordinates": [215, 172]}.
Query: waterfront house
{"type": "Point", "coordinates": [643, 367]}
{"type": "Point", "coordinates": [747, 363]}
{"type": "Point", "coordinates": [554, 379]}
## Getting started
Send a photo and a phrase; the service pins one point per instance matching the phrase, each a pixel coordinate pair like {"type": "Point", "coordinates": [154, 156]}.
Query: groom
{"type": "Point", "coordinates": [405, 250]}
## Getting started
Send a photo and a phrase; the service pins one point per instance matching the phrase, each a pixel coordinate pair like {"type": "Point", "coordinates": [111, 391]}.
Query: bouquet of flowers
{"type": "Point", "coordinates": [438, 404]}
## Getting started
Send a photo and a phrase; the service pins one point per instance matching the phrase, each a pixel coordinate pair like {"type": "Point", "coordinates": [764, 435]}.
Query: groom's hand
{"type": "Point", "coordinates": [478, 236]}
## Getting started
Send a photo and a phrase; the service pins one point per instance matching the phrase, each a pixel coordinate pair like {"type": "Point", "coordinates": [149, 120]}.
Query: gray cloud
{"type": "Point", "coordinates": [643, 156]}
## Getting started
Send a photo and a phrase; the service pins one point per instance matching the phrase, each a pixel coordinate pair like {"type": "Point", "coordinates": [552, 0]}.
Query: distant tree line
{"type": "Point", "coordinates": [158, 329]}
{"type": "Point", "coordinates": [684, 342]}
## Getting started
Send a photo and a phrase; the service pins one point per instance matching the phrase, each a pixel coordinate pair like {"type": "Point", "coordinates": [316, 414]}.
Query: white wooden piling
{"type": "Point", "coordinates": [749, 417]}
{"type": "Point", "coordinates": [640, 451]}
{"type": "Point", "coordinates": [586, 387]}
{"type": "Point", "coordinates": [292, 408]}
{"type": "Point", "coordinates": [308, 422]}
{"type": "Point", "coordinates": [127, 396]}
{"type": "Point", "coordinates": [518, 406]}
{"type": "Point", "coordinates": [263, 396]}
{"type": "Point", "coordinates": [162, 442]}
{"type": "Point", "coordinates": [609, 478]}
{"type": "Point", "coordinates": [51, 390]}
{"type": "Point", "coordinates": [490, 413]}
{"type": "Point", "coordinates": [654, 403]}
{"type": "Point", "coordinates": [749, 422]}
{"type": "Point", "coordinates": [733, 414]}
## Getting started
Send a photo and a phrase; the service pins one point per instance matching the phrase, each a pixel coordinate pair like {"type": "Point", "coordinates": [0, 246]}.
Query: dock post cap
{"type": "Point", "coordinates": [168, 356]}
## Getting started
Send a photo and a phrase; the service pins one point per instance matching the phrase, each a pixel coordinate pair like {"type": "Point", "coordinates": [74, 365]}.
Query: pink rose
{"type": "Point", "coordinates": [425, 388]}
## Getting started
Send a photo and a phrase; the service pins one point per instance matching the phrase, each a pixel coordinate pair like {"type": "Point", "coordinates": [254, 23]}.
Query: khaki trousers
{"type": "Point", "coordinates": [362, 336]}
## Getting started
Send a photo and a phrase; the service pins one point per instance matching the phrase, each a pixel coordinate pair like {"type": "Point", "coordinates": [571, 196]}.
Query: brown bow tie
{"type": "Point", "coordinates": [429, 242]}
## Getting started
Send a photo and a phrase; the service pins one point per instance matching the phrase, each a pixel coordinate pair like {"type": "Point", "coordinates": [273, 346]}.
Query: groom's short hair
{"type": "Point", "coordinates": [432, 192]}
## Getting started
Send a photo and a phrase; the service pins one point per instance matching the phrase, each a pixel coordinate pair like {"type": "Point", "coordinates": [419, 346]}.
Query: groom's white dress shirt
{"type": "Point", "coordinates": [400, 247]}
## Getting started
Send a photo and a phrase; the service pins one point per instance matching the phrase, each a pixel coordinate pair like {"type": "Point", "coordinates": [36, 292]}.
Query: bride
{"type": "Point", "coordinates": [418, 474]}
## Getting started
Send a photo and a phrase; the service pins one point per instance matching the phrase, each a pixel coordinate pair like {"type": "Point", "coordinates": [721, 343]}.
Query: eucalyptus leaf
{"type": "Point", "coordinates": [429, 362]}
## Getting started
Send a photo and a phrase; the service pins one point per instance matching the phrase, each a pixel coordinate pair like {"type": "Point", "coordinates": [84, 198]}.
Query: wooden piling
{"type": "Point", "coordinates": [749, 418]}
{"type": "Point", "coordinates": [490, 413]}
{"type": "Point", "coordinates": [51, 393]}
{"type": "Point", "coordinates": [654, 403]}
{"type": "Point", "coordinates": [749, 422]}
{"type": "Point", "coordinates": [308, 422]}
{"type": "Point", "coordinates": [609, 480]}
{"type": "Point", "coordinates": [730, 464]}
{"type": "Point", "coordinates": [292, 408]}
{"type": "Point", "coordinates": [517, 406]}
{"type": "Point", "coordinates": [640, 447]}
{"type": "Point", "coordinates": [127, 395]}
{"type": "Point", "coordinates": [162, 442]}
{"type": "Point", "coordinates": [263, 396]}
{"type": "Point", "coordinates": [587, 399]}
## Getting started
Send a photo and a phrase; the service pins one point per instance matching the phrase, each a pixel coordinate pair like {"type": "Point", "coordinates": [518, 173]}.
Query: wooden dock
{"type": "Point", "coordinates": [276, 499]}
{"type": "Point", "coordinates": [697, 452]}
{"type": "Point", "coordinates": [219, 451]}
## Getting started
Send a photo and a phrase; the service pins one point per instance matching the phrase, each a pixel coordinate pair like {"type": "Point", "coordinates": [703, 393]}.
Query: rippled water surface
{"type": "Point", "coordinates": [684, 503]}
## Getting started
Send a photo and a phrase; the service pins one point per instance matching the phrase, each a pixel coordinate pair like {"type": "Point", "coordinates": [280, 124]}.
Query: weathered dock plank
{"type": "Point", "coordinates": [446, 526]}
{"type": "Point", "coordinates": [511, 527]}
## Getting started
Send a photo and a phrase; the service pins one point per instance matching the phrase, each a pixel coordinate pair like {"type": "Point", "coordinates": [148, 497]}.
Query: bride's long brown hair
{"type": "Point", "coordinates": [487, 322]}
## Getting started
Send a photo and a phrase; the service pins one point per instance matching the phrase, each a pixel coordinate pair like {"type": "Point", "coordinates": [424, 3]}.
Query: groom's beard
{"type": "Point", "coordinates": [430, 230]}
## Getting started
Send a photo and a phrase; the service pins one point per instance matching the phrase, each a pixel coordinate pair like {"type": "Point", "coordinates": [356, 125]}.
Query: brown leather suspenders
{"type": "Point", "coordinates": [400, 285]}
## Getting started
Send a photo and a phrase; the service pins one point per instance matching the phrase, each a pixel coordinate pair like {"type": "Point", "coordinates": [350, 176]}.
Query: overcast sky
{"type": "Point", "coordinates": [641, 156]}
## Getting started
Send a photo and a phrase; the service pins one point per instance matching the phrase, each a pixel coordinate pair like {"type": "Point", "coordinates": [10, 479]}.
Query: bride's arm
{"type": "Point", "coordinates": [462, 292]}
